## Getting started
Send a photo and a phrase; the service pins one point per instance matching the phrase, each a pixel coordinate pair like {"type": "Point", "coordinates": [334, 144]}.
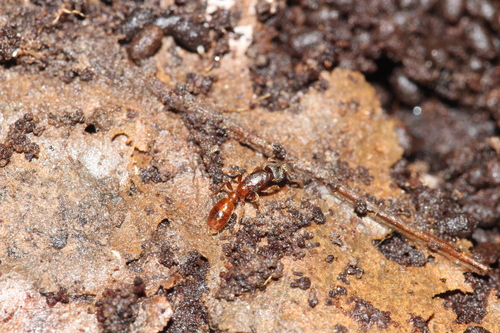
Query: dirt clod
{"type": "Point", "coordinates": [188, 29]}
{"type": "Point", "coordinates": [18, 141]}
{"type": "Point", "coordinates": [337, 292]}
{"type": "Point", "coordinates": [190, 315]}
{"type": "Point", "coordinates": [303, 283]}
{"type": "Point", "coordinates": [152, 174]}
{"type": "Point", "coordinates": [9, 42]}
{"type": "Point", "coordinates": [339, 328]}
{"type": "Point", "coordinates": [476, 329]}
{"type": "Point", "coordinates": [350, 270]}
{"type": "Point", "coordinates": [419, 325]}
{"type": "Point", "coordinates": [360, 208]}
{"type": "Point", "coordinates": [145, 44]}
{"type": "Point", "coordinates": [252, 264]}
{"type": "Point", "coordinates": [312, 298]}
{"type": "Point", "coordinates": [118, 308]}
{"type": "Point", "coordinates": [396, 248]}
{"type": "Point", "coordinates": [198, 84]}
{"type": "Point", "coordinates": [367, 315]}
{"type": "Point", "coordinates": [61, 296]}
{"type": "Point", "coordinates": [469, 307]}
{"type": "Point", "coordinates": [313, 213]}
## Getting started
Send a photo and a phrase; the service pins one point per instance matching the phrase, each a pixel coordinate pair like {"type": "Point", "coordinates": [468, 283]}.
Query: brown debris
{"type": "Point", "coordinates": [190, 315]}
{"type": "Point", "coordinates": [476, 329]}
{"type": "Point", "coordinates": [303, 283]}
{"type": "Point", "coordinates": [335, 295]}
{"type": "Point", "coordinates": [17, 140]}
{"type": "Point", "coordinates": [419, 325]}
{"type": "Point", "coordinates": [146, 43]}
{"type": "Point", "coordinates": [121, 162]}
{"type": "Point", "coordinates": [396, 248]}
{"type": "Point", "coordinates": [313, 299]}
{"type": "Point", "coordinates": [152, 174]}
{"type": "Point", "coordinates": [198, 84]}
{"type": "Point", "coordinates": [54, 298]}
{"type": "Point", "coordinates": [368, 316]}
{"type": "Point", "coordinates": [126, 310]}
{"type": "Point", "coordinates": [9, 42]}
{"type": "Point", "coordinates": [440, 54]}
{"type": "Point", "coordinates": [469, 307]}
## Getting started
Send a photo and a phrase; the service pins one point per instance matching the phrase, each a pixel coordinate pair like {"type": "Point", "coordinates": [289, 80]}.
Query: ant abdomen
{"type": "Point", "coordinates": [220, 214]}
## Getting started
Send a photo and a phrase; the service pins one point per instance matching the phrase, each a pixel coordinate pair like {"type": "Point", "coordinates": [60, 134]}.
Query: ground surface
{"type": "Point", "coordinates": [108, 165]}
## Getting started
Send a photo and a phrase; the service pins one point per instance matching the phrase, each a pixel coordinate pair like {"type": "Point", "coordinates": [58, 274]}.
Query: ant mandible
{"type": "Point", "coordinates": [260, 180]}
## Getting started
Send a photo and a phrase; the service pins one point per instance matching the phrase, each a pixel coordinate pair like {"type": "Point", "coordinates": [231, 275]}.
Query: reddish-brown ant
{"type": "Point", "coordinates": [260, 180]}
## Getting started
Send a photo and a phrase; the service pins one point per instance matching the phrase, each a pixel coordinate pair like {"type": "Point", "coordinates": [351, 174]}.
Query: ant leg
{"type": "Point", "coordinates": [254, 199]}
{"type": "Point", "coordinates": [271, 189]}
{"type": "Point", "coordinates": [272, 160]}
{"type": "Point", "coordinates": [256, 169]}
{"type": "Point", "coordinates": [233, 171]}
{"type": "Point", "coordinates": [290, 175]}
{"type": "Point", "coordinates": [227, 185]}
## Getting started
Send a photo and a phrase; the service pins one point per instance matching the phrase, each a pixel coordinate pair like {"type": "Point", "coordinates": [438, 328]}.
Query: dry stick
{"type": "Point", "coordinates": [341, 191]}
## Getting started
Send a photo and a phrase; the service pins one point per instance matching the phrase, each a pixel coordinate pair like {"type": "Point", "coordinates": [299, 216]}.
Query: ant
{"type": "Point", "coordinates": [263, 180]}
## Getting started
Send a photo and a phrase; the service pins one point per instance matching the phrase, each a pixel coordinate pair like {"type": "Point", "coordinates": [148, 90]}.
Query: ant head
{"type": "Point", "coordinates": [278, 171]}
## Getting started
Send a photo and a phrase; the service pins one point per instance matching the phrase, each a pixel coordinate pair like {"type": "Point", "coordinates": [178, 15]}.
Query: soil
{"type": "Point", "coordinates": [121, 120]}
